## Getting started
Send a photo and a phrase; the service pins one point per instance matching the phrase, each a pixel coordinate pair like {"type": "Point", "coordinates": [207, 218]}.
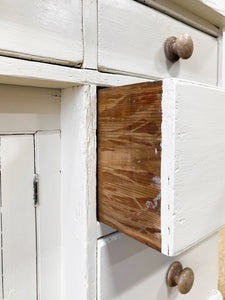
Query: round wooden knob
{"type": "Point", "coordinates": [180, 47]}
{"type": "Point", "coordinates": [183, 278]}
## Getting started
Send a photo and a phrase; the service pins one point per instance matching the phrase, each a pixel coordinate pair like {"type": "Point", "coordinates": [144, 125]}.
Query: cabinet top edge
{"type": "Point", "coordinates": [193, 12]}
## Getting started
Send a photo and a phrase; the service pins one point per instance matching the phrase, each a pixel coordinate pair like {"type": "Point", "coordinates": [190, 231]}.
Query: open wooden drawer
{"type": "Point", "coordinates": [161, 157]}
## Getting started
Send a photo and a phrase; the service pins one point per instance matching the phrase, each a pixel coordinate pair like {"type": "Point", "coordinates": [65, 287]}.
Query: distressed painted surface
{"type": "Point", "coordinates": [128, 270]}
{"type": "Point", "coordinates": [192, 170]}
{"type": "Point", "coordinates": [78, 210]}
{"type": "Point", "coordinates": [137, 47]}
{"type": "Point", "coordinates": [90, 34]}
{"type": "Point", "coordinates": [42, 30]}
{"type": "Point", "coordinates": [22, 72]}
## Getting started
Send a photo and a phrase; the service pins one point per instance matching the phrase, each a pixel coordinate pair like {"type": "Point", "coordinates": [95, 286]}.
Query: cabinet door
{"type": "Point", "coordinates": [18, 217]}
{"type": "Point", "coordinates": [31, 245]}
{"type": "Point", "coordinates": [49, 30]}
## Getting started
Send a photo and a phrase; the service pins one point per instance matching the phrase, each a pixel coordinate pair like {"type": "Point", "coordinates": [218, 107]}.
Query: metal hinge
{"type": "Point", "coordinates": [35, 188]}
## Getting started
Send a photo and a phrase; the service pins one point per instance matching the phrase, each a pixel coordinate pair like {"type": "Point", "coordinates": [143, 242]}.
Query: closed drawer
{"type": "Point", "coordinates": [129, 270]}
{"type": "Point", "coordinates": [131, 39]}
{"type": "Point", "coordinates": [161, 162]}
{"type": "Point", "coordinates": [42, 30]}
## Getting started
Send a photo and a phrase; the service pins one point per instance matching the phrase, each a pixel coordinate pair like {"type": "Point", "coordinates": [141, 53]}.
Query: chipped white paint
{"type": "Point", "coordinates": [22, 72]}
{"type": "Point", "coordinates": [156, 180]}
{"type": "Point", "coordinates": [78, 210]}
{"type": "Point", "coordinates": [42, 30]}
{"type": "Point", "coordinates": [153, 204]}
{"type": "Point", "coordinates": [137, 47]}
{"type": "Point", "coordinates": [167, 173]}
{"type": "Point", "coordinates": [192, 169]}
{"type": "Point", "coordinates": [130, 270]}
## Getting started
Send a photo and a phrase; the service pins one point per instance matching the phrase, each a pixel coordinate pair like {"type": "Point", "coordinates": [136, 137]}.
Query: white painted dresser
{"type": "Point", "coordinates": [54, 56]}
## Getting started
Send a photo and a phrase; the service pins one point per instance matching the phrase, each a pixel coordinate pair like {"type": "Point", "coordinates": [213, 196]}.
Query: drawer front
{"type": "Point", "coordinates": [161, 162]}
{"type": "Point", "coordinates": [129, 270]}
{"type": "Point", "coordinates": [42, 30]}
{"type": "Point", "coordinates": [131, 39]}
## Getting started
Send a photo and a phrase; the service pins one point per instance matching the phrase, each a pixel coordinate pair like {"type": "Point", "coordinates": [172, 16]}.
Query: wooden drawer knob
{"type": "Point", "coordinates": [180, 47]}
{"type": "Point", "coordinates": [183, 278]}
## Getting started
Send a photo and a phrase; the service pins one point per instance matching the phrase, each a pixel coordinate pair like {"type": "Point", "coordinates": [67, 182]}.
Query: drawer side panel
{"type": "Point", "coordinates": [129, 160]}
{"type": "Point", "coordinates": [192, 165]}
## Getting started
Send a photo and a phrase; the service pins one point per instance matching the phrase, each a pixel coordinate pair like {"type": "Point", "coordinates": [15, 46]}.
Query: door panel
{"type": "Point", "coordinates": [47, 156]}
{"type": "Point", "coordinates": [18, 217]}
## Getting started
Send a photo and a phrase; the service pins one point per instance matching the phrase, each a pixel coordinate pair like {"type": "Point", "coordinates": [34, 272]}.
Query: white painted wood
{"type": "Point", "coordinates": [1, 258]}
{"type": "Point", "coordinates": [192, 167]}
{"type": "Point", "coordinates": [78, 210]}
{"type": "Point", "coordinates": [42, 30]}
{"type": "Point", "coordinates": [222, 58]}
{"type": "Point", "coordinates": [129, 270]}
{"type": "Point", "coordinates": [217, 5]}
{"type": "Point", "coordinates": [137, 47]}
{"type": "Point", "coordinates": [90, 34]}
{"type": "Point", "coordinates": [187, 16]}
{"type": "Point", "coordinates": [215, 295]}
{"type": "Point", "coordinates": [22, 72]}
{"type": "Point", "coordinates": [18, 217]}
{"type": "Point", "coordinates": [28, 109]}
{"type": "Point", "coordinates": [47, 156]}
{"type": "Point", "coordinates": [211, 10]}
{"type": "Point", "coordinates": [103, 230]}
{"type": "Point", "coordinates": [78, 219]}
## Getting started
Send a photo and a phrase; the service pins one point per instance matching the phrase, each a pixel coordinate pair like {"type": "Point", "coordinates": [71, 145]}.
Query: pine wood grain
{"type": "Point", "coordinates": [129, 160]}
